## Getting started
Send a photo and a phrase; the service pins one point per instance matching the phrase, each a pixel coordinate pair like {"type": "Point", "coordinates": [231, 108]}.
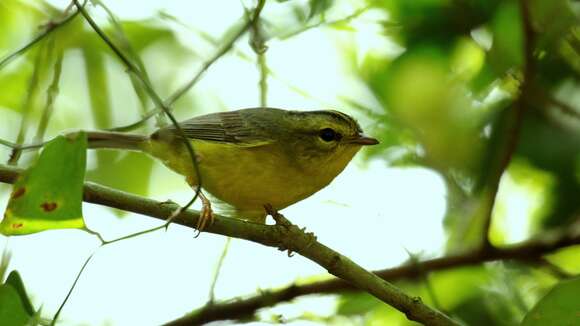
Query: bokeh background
{"type": "Point", "coordinates": [438, 82]}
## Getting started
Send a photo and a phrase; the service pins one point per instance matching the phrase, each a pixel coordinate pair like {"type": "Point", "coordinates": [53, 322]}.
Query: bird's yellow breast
{"type": "Point", "coordinates": [250, 177]}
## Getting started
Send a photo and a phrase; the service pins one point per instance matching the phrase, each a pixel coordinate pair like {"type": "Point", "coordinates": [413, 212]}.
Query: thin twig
{"type": "Point", "coordinates": [27, 105]}
{"type": "Point", "coordinates": [51, 94]}
{"type": "Point", "coordinates": [218, 269]}
{"type": "Point", "coordinates": [49, 28]}
{"type": "Point", "coordinates": [124, 40]}
{"type": "Point", "coordinates": [12, 145]}
{"type": "Point", "coordinates": [187, 86]}
{"type": "Point", "coordinates": [54, 319]}
{"type": "Point", "coordinates": [323, 22]}
{"type": "Point", "coordinates": [263, 83]}
{"type": "Point", "coordinates": [9, 144]}
{"type": "Point", "coordinates": [126, 44]}
{"type": "Point", "coordinates": [268, 72]}
{"type": "Point", "coordinates": [258, 44]}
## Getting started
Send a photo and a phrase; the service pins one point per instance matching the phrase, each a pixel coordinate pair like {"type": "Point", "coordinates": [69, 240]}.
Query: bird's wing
{"type": "Point", "coordinates": [227, 127]}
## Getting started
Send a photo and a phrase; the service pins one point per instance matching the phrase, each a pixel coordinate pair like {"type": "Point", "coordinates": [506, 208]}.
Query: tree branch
{"type": "Point", "coordinates": [284, 236]}
{"type": "Point", "coordinates": [529, 251]}
{"type": "Point", "coordinates": [514, 125]}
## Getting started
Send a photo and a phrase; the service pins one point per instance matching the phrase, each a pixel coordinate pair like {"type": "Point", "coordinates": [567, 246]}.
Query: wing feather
{"type": "Point", "coordinates": [226, 127]}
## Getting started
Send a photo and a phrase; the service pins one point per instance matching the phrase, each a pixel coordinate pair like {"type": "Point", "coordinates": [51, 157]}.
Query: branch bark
{"type": "Point", "coordinates": [529, 251]}
{"type": "Point", "coordinates": [284, 236]}
{"type": "Point", "coordinates": [514, 125]}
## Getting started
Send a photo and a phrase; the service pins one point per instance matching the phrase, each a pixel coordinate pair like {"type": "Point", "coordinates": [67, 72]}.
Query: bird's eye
{"type": "Point", "coordinates": [327, 134]}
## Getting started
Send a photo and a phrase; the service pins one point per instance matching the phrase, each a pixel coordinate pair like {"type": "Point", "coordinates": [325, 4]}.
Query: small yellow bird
{"type": "Point", "coordinates": [252, 157]}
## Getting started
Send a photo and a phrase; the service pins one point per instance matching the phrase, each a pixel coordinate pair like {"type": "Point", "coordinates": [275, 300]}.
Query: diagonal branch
{"type": "Point", "coordinates": [285, 236]}
{"type": "Point", "coordinates": [222, 50]}
{"type": "Point", "coordinates": [514, 125]}
{"type": "Point", "coordinates": [530, 251]}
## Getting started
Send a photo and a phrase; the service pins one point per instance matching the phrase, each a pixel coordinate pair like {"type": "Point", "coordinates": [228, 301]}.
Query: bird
{"type": "Point", "coordinates": [252, 157]}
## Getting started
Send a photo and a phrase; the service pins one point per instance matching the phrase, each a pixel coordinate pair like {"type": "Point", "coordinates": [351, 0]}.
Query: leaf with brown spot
{"type": "Point", "coordinates": [48, 195]}
{"type": "Point", "coordinates": [17, 193]}
{"type": "Point", "coordinates": [49, 207]}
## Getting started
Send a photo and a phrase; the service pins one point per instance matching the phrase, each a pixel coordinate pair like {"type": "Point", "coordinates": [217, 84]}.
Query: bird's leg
{"type": "Point", "coordinates": [278, 218]}
{"type": "Point", "coordinates": [206, 215]}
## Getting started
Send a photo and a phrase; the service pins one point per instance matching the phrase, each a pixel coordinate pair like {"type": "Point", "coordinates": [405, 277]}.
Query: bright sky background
{"type": "Point", "coordinates": [371, 212]}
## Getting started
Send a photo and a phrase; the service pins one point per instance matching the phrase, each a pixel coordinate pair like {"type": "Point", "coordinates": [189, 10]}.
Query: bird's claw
{"type": "Point", "coordinates": [278, 218]}
{"type": "Point", "coordinates": [206, 217]}
{"type": "Point", "coordinates": [311, 237]}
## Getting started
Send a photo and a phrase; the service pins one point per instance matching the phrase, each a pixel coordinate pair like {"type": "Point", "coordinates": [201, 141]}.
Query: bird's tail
{"type": "Point", "coordinates": [98, 139]}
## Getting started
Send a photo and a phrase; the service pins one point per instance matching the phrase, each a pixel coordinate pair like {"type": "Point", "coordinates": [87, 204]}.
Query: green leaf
{"type": "Point", "coordinates": [318, 7]}
{"type": "Point", "coordinates": [15, 307]}
{"type": "Point", "coordinates": [13, 83]}
{"type": "Point", "coordinates": [144, 33]}
{"type": "Point", "coordinates": [15, 280]}
{"type": "Point", "coordinates": [131, 172]}
{"type": "Point", "coordinates": [343, 26]}
{"type": "Point", "coordinates": [561, 306]}
{"type": "Point", "coordinates": [507, 49]}
{"type": "Point", "coordinates": [567, 259]}
{"type": "Point", "coordinates": [19, 16]}
{"type": "Point", "coordinates": [49, 194]}
{"type": "Point", "coordinates": [99, 95]}
{"type": "Point", "coordinates": [552, 30]}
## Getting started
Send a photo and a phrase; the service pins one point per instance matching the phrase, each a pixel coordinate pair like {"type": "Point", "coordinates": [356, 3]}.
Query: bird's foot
{"type": "Point", "coordinates": [206, 217]}
{"type": "Point", "coordinates": [311, 237]}
{"type": "Point", "coordinates": [278, 218]}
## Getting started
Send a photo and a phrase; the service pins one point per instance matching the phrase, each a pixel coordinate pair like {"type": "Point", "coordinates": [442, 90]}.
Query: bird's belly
{"type": "Point", "coordinates": [253, 177]}
{"type": "Point", "coordinates": [251, 190]}
{"type": "Point", "coordinates": [245, 177]}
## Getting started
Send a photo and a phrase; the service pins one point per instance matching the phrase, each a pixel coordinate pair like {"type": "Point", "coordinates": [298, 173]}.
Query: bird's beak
{"type": "Point", "coordinates": [363, 139]}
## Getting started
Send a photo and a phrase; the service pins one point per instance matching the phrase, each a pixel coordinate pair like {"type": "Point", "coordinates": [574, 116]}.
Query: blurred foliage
{"type": "Point", "coordinates": [447, 99]}
{"type": "Point", "coordinates": [441, 89]}
{"type": "Point", "coordinates": [452, 90]}
{"type": "Point", "coordinates": [558, 307]}
{"type": "Point", "coordinates": [98, 64]}
{"type": "Point", "coordinates": [567, 259]}
{"type": "Point", "coordinates": [488, 295]}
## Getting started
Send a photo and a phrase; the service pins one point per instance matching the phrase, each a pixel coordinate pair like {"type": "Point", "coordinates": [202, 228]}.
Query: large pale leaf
{"type": "Point", "coordinates": [561, 306]}
{"type": "Point", "coordinates": [49, 194]}
{"type": "Point", "coordinates": [131, 172]}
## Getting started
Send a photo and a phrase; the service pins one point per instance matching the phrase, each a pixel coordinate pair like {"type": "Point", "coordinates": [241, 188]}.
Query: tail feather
{"type": "Point", "coordinates": [114, 140]}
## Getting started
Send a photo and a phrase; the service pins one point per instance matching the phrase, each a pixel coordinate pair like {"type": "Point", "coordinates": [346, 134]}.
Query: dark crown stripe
{"type": "Point", "coordinates": [339, 116]}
